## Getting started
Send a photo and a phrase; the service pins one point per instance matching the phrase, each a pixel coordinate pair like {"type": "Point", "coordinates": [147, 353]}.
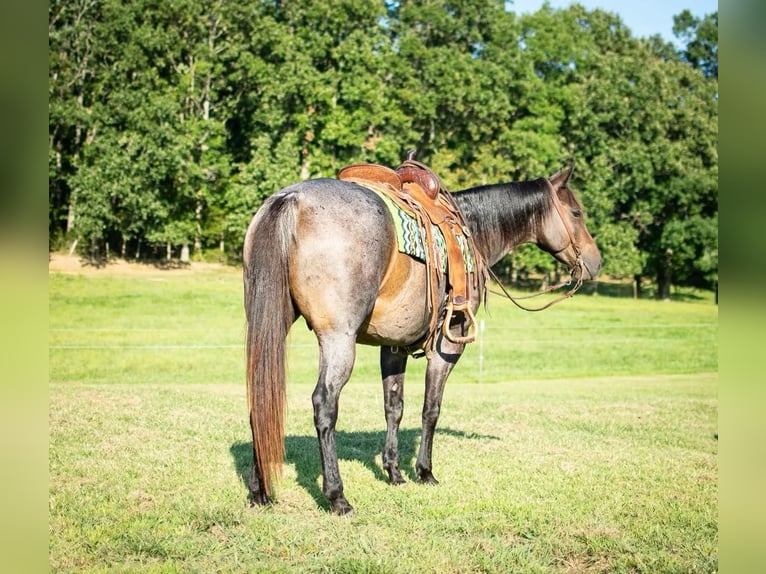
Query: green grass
{"type": "Point", "coordinates": [593, 450]}
{"type": "Point", "coordinates": [159, 328]}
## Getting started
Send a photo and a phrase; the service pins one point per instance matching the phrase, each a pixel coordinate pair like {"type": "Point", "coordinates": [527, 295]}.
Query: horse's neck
{"type": "Point", "coordinates": [503, 216]}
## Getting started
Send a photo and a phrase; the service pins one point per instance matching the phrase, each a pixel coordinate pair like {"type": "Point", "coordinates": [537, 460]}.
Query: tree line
{"type": "Point", "coordinates": [171, 120]}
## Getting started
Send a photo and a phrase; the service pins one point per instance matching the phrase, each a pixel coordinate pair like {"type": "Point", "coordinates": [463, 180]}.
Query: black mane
{"type": "Point", "coordinates": [503, 214]}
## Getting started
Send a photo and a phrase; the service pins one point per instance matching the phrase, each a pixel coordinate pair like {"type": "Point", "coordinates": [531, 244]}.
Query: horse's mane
{"type": "Point", "coordinates": [504, 212]}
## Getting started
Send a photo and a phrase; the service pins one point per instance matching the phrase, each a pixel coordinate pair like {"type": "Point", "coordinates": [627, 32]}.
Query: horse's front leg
{"type": "Point", "coordinates": [392, 367]}
{"type": "Point", "coordinates": [440, 364]}
{"type": "Point", "coordinates": [336, 359]}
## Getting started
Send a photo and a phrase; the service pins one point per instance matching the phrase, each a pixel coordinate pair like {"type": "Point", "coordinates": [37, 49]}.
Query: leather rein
{"type": "Point", "coordinates": [578, 264]}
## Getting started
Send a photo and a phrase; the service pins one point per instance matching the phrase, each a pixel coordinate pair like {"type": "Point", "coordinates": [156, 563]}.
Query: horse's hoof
{"type": "Point", "coordinates": [342, 508]}
{"type": "Point", "coordinates": [428, 478]}
{"type": "Point", "coordinates": [396, 478]}
{"type": "Point", "coordinates": [258, 499]}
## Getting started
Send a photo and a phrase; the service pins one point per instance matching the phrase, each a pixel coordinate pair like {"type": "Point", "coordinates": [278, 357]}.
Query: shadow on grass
{"type": "Point", "coordinates": [303, 452]}
{"type": "Point", "coordinates": [161, 264]}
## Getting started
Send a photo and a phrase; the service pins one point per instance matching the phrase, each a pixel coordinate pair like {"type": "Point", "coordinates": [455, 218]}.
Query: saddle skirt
{"type": "Point", "coordinates": [448, 246]}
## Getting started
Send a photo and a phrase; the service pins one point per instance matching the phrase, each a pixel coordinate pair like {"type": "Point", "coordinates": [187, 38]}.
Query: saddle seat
{"type": "Point", "coordinates": [419, 191]}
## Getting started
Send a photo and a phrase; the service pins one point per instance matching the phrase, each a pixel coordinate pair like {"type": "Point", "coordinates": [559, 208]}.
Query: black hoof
{"type": "Point", "coordinates": [395, 477]}
{"type": "Point", "coordinates": [428, 478]}
{"type": "Point", "coordinates": [258, 499]}
{"type": "Point", "coordinates": [341, 507]}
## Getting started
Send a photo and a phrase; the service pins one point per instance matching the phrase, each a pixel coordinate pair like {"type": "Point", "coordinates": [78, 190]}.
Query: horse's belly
{"type": "Point", "coordinates": [400, 315]}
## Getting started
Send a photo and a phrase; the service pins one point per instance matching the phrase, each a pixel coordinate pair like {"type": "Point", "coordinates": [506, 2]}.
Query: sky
{"type": "Point", "coordinates": [643, 17]}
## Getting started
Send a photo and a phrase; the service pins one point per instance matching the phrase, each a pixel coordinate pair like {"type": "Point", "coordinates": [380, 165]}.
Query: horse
{"type": "Point", "coordinates": [325, 249]}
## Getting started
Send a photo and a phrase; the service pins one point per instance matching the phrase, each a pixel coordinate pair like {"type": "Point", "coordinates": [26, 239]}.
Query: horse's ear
{"type": "Point", "coordinates": [561, 177]}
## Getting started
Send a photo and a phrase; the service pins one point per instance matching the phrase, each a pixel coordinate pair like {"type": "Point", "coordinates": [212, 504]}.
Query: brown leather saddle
{"type": "Point", "coordinates": [418, 190]}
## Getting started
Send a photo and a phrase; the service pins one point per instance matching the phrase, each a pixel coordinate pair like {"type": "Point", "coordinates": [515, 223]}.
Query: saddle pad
{"type": "Point", "coordinates": [411, 238]}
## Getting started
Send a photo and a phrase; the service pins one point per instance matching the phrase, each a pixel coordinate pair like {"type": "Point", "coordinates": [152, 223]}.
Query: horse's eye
{"type": "Point", "coordinates": [576, 213]}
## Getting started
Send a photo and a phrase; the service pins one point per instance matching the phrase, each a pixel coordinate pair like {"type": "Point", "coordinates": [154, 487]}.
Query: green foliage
{"type": "Point", "coordinates": [619, 241]}
{"type": "Point", "coordinates": [700, 36]}
{"type": "Point", "coordinates": [170, 122]}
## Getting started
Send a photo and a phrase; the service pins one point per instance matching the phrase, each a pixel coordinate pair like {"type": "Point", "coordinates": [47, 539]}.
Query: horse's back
{"type": "Point", "coordinates": [341, 221]}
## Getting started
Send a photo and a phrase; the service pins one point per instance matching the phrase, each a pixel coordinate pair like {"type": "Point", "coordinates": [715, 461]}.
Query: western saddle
{"type": "Point", "coordinates": [419, 191]}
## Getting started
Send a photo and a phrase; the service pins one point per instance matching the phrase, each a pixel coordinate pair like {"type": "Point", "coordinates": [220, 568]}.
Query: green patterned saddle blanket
{"type": "Point", "coordinates": [411, 237]}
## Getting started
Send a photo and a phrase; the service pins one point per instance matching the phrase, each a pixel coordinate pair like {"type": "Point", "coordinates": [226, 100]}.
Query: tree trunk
{"type": "Point", "coordinates": [198, 228]}
{"type": "Point", "coordinates": [70, 214]}
{"type": "Point", "coordinates": [663, 283]}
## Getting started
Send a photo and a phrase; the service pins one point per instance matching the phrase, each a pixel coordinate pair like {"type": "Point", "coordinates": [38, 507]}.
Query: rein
{"type": "Point", "coordinates": [577, 265]}
{"type": "Point", "coordinates": [515, 300]}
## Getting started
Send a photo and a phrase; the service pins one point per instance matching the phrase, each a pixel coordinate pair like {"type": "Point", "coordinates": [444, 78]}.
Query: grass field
{"type": "Point", "coordinates": [580, 439]}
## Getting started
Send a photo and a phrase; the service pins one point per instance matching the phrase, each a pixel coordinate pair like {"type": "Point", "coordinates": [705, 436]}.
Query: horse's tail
{"type": "Point", "coordinates": [270, 313]}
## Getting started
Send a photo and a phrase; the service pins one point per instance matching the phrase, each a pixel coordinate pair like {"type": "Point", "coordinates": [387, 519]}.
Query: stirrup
{"type": "Point", "coordinates": [465, 307]}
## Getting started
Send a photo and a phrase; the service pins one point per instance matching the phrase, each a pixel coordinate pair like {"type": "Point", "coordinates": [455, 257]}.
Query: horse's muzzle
{"type": "Point", "coordinates": [589, 267]}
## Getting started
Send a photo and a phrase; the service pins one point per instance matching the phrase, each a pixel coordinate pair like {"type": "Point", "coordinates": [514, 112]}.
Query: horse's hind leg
{"type": "Point", "coordinates": [336, 359]}
{"type": "Point", "coordinates": [257, 488]}
{"type": "Point", "coordinates": [392, 366]}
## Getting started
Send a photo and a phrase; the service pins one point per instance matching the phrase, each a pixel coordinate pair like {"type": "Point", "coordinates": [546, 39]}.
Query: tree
{"type": "Point", "coordinates": [700, 36]}
{"type": "Point", "coordinates": [644, 127]}
{"type": "Point", "coordinates": [170, 122]}
{"type": "Point", "coordinates": [448, 82]}
{"type": "Point", "coordinates": [74, 49]}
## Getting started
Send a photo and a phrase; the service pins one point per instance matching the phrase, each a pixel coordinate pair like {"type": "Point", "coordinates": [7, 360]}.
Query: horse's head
{"type": "Point", "coordinates": [565, 235]}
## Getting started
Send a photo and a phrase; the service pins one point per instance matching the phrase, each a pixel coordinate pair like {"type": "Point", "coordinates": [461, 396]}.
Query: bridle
{"type": "Point", "coordinates": [578, 264]}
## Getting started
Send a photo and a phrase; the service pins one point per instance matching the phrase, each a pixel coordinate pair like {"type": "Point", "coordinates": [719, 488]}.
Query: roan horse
{"type": "Point", "coordinates": [326, 249]}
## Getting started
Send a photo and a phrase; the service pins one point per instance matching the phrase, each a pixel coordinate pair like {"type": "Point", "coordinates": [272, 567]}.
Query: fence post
{"type": "Point", "coordinates": [481, 350]}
